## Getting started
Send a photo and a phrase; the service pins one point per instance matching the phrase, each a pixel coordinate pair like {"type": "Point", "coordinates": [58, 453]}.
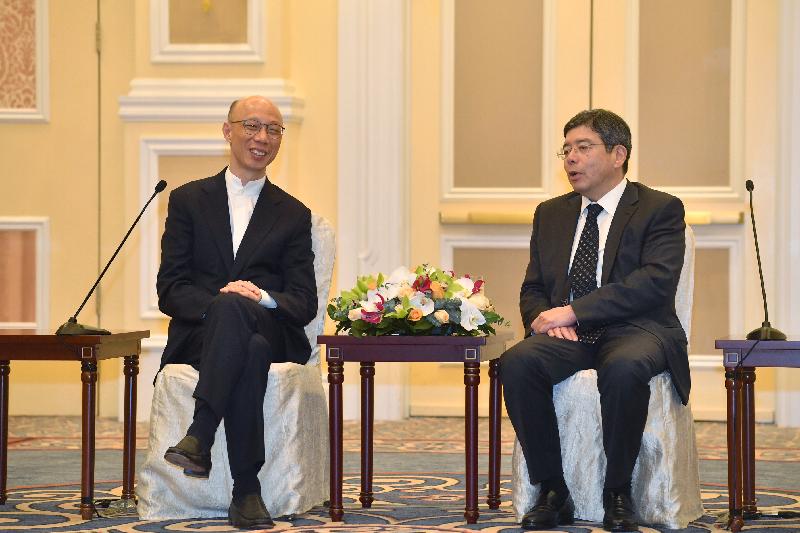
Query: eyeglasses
{"type": "Point", "coordinates": [252, 127]}
{"type": "Point", "coordinates": [583, 149]}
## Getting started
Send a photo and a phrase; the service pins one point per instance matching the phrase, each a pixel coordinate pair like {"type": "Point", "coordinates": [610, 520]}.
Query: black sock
{"type": "Point", "coordinates": [556, 484]}
{"type": "Point", "coordinates": [246, 484]}
{"type": "Point", "coordinates": [624, 489]}
{"type": "Point", "coordinates": [204, 425]}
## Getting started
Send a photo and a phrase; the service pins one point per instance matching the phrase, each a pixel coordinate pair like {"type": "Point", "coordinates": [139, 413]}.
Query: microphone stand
{"type": "Point", "coordinates": [71, 326]}
{"type": "Point", "coordinates": [766, 332]}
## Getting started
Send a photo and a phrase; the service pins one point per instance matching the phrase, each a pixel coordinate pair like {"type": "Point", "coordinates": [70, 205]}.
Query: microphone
{"type": "Point", "coordinates": [71, 326]}
{"type": "Point", "coordinates": [766, 332]}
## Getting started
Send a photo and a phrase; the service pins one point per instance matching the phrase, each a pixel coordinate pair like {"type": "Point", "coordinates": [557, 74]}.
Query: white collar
{"type": "Point", "coordinates": [234, 185]}
{"type": "Point", "coordinates": [610, 200]}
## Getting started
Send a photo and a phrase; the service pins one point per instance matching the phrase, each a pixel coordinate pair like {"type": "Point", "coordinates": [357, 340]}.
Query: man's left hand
{"type": "Point", "coordinates": [554, 318]}
{"type": "Point", "coordinates": [247, 289]}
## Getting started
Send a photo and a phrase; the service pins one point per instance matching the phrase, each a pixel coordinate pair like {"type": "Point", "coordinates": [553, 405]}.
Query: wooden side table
{"type": "Point", "coordinates": [740, 358]}
{"type": "Point", "coordinates": [16, 345]}
{"type": "Point", "coordinates": [391, 348]}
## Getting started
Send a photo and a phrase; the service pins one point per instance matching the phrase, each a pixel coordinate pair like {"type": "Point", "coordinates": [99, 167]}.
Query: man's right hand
{"type": "Point", "coordinates": [564, 332]}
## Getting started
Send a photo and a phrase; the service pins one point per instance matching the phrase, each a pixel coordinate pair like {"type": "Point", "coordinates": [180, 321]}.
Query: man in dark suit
{"type": "Point", "coordinates": [599, 292]}
{"type": "Point", "coordinates": [237, 279]}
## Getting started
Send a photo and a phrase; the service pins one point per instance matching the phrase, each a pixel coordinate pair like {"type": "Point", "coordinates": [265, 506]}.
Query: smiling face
{"type": "Point", "coordinates": [250, 154]}
{"type": "Point", "coordinates": [597, 171]}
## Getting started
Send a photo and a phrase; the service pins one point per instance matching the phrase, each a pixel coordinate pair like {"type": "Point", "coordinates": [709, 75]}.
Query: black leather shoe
{"type": "Point", "coordinates": [189, 455]}
{"type": "Point", "coordinates": [552, 509]}
{"type": "Point", "coordinates": [619, 515]}
{"type": "Point", "coordinates": [249, 512]}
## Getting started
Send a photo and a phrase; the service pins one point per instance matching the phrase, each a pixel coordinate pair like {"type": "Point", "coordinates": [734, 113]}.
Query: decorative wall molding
{"type": "Point", "coordinates": [163, 51]}
{"type": "Point", "coordinates": [150, 149]}
{"type": "Point", "coordinates": [494, 240]}
{"type": "Point", "coordinates": [202, 99]}
{"type": "Point", "coordinates": [449, 190]}
{"type": "Point", "coordinates": [41, 227]}
{"type": "Point", "coordinates": [735, 188]}
{"type": "Point", "coordinates": [730, 238]}
{"type": "Point", "coordinates": [40, 113]}
{"type": "Point", "coordinates": [373, 160]}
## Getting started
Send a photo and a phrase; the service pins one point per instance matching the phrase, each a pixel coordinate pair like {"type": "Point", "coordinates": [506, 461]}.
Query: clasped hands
{"type": "Point", "coordinates": [557, 322]}
{"type": "Point", "coordinates": [248, 289]}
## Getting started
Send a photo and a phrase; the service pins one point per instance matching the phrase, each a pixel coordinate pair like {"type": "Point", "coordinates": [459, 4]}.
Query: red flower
{"type": "Point", "coordinates": [371, 317]}
{"type": "Point", "coordinates": [477, 287]}
{"type": "Point", "coordinates": [380, 305]}
{"type": "Point", "coordinates": [422, 284]}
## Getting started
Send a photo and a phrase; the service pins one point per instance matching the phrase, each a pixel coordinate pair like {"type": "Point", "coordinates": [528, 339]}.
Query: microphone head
{"type": "Point", "coordinates": [749, 185]}
{"type": "Point", "coordinates": [161, 185]}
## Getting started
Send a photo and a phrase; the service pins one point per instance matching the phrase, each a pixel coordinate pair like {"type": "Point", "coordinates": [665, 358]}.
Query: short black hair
{"type": "Point", "coordinates": [611, 128]}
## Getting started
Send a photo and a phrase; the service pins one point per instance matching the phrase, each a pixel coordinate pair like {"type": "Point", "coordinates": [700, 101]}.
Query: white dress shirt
{"type": "Point", "coordinates": [609, 203]}
{"type": "Point", "coordinates": [241, 203]}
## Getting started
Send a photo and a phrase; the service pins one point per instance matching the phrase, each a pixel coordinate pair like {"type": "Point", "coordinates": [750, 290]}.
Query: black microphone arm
{"type": "Point", "coordinates": [766, 332]}
{"type": "Point", "coordinates": [71, 326]}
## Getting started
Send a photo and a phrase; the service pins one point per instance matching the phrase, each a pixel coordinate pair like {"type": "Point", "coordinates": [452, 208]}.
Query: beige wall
{"type": "Point", "coordinates": [192, 22]}
{"type": "Point", "coordinates": [54, 165]}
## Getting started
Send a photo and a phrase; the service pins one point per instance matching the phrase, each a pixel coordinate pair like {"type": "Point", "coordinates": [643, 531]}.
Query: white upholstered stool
{"type": "Point", "coordinates": [295, 473]}
{"type": "Point", "coordinates": [666, 482]}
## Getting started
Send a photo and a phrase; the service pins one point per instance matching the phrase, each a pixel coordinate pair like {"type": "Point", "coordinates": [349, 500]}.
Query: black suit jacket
{"type": "Point", "coordinates": [197, 260]}
{"type": "Point", "coordinates": [641, 266]}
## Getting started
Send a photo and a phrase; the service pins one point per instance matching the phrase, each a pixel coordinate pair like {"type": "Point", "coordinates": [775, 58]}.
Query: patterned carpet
{"type": "Point", "coordinates": [420, 494]}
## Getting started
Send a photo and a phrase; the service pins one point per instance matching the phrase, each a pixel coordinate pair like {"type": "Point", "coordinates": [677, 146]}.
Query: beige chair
{"type": "Point", "coordinates": [666, 483]}
{"type": "Point", "coordinates": [295, 474]}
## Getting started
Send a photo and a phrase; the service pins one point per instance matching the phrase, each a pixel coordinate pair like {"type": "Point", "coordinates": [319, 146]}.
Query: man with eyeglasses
{"type": "Point", "coordinates": [599, 292]}
{"type": "Point", "coordinates": [237, 280]}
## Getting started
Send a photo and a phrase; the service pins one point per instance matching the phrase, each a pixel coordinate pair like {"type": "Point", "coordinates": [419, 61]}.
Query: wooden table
{"type": "Point", "coordinates": [740, 358]}
{"type": "Point", "coordinates": [369, 350]}
{"type": "Point", "coordinates": [18, 345]}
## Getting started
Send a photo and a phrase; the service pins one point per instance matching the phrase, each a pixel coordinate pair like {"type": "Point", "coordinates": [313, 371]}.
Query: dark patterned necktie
{"type": "Point", "coordinates": [583, 274]}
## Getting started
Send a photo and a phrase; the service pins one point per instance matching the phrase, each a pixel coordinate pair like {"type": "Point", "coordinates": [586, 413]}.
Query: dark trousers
{"type": "Point", "coordinates": [626, 358]}
{"type": "Point", "coordinates": [239, 340]}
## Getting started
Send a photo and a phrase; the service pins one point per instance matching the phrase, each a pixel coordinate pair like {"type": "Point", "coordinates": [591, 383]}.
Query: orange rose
{"type": "Point", "coordinates": [437, 292]}
{"type": "Point", "coordinates": [414, 315]}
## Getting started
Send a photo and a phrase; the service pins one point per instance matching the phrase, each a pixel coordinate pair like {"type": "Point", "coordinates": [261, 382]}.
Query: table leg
{"type": "Point", "coordinates": [5, 370]}
{"type": "Point", "coordinates": [89, 380]}
{"type": "Point", "coordinates": [495, 393]}
{"type": "Point", "coordinates": [472, 377]}
{"type": "Point", "coordinates": [367, 419]}
{"type": "Point", "coordinates": [733, 388]}
{"type": "Point", "coordinates": [748, 455]}
{"type": "Point", "coordinates": [335, 379]}
{"type": "Point", "coordinates": [130, 369]}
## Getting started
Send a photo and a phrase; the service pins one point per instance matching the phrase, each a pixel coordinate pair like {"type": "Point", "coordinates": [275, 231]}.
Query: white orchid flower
{"type": "Point", "coordinates": [423, 303]}
{"type": "Point", "coordinates": [400, 275]}
{"type": "Point", "coordinates": [467, 284]}
{"type": "Point", "coordinates": [471, 317]}
{"type": "Point", "coordinates": [370, 307]}
{"type": "Point", "coordinates": [354, 314]}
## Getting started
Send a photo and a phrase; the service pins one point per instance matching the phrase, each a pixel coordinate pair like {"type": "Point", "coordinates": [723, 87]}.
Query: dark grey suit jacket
{"type": "Point", "coordinates": [197, 260]}
{"type": "Point", "coordinates": [641, 266]}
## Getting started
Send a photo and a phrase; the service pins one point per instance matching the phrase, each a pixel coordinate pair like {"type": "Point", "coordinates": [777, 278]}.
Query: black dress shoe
{"type": "Point", "coordinates": [249, 512]}
{"type": "Point", "coordinates": [189, 455]}
{"type": "Point", "coordinates": [552, 509]}
{"type": "Point", "coordinates": [619, 515]}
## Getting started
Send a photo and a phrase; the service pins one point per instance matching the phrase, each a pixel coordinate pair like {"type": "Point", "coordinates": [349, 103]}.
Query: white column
{"type": "Point", "coordinates": [787, 317]}
{"type": "Point", "coordinates": [372, 175]}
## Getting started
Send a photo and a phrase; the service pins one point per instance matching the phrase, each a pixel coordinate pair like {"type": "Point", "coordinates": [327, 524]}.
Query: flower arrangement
{"type": "Point", "coordinates": [425, 301]}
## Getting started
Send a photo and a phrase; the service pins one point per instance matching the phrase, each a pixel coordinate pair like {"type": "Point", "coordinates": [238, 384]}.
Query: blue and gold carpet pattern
{"type": "Point", "coordinates": [418, 483]}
